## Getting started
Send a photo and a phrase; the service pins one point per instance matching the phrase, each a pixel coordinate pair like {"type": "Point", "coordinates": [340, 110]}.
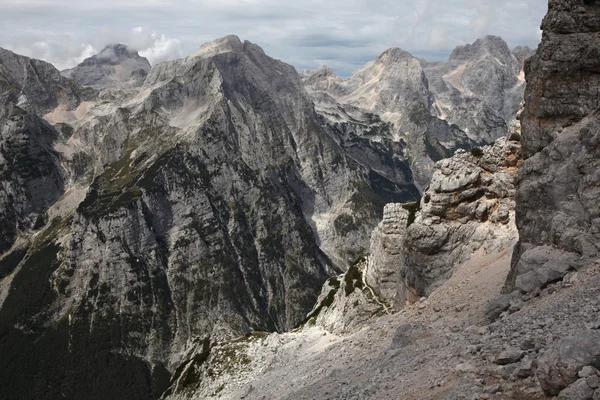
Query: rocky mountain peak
{"type": "Point", "coordinates": [225, 44]}
{"type": "Point", "coordinates": [114, 54]}
{"type": "Point", "coordinates": [321, 72]}
{"type": "Point", "coordinates": [116, 65]}
{"type": "Point", "coordinates": [489, 45]}
{"type": "Point", "coordinates": [394, 55]}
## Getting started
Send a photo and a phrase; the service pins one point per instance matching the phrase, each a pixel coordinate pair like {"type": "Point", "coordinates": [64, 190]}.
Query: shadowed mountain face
{"type": "Point", "coordinates": [209, 202]}
{"type": "Point", "coordinates": [115, 65]}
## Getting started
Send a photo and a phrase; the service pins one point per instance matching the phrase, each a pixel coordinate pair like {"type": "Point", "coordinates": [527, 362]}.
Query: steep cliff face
{"type": "Point", "coordinates": [558, 215]}
{"type": "Point", "coordinates": [217, 205]}
{"type": "Point", "coordinates": [31, 178]}
{"type": "Point", "coordinates": [468, 206]}
{"type": "Point", "coordinates": [115, 65]}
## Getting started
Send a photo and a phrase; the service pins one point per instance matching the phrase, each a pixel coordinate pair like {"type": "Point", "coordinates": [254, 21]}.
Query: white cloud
{"type": "Point", "coordinates": [161, 47]}
{"type": "Point", "coordinates": [438, 39]}
{"type": "Point", "coordinates": [342, 33]}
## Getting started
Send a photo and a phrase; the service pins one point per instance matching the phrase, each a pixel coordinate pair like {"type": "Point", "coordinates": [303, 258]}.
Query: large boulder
{"type": "Point", "coordinates": [560, 365]}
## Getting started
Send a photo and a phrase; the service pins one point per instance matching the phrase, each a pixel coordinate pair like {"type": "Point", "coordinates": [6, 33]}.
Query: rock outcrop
{"type": "Point", "coordinates": [347, 303]}
{"type": "Point", "coordinates": [468, 206]}
{"type": "Point", "coordinates": [558, 214]}
{"type": "Point", "coordinates": [115, 65]}
{"type": "Point", "coordinates": [561, 365]}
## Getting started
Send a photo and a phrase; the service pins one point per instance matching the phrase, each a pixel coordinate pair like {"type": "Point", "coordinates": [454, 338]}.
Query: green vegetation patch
{"type": "Point", "coordinates": [477, 152]}
{"type": "Point", "coordinates": [353, 280]}
{"type": "Point", "coordinates": [344, 224]}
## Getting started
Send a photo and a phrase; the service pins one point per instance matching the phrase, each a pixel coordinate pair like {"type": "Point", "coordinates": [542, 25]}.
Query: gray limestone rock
{"type": "Point", "coordinates": [392, 88]}
{"type": "Point", "coordinates": [496, 307]}
{"type": "Point", "coordinates": [346, 303]}
{"type": "Point", "coordinates": [579, 390]}
{"type": "Point", "coordinates": [509, 356]}
{"type": "Point", "coordinates": [31, 178]}
{"type": "Point", "coordinates": [37, 86]}
{"type": "Point", "coordinates": [480, 88]}
{"type": "Point", "coordinates": [559, 366]}
{"type": "Point", "coordinates": [211, 202]}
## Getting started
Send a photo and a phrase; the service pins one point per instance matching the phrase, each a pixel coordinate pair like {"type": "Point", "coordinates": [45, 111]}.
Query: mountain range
{"type": "Point", "coordinates": [151, 211]}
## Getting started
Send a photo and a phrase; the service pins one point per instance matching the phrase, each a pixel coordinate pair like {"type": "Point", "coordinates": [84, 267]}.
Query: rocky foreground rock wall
{"type": "Point", "coordinates": [558, 185]}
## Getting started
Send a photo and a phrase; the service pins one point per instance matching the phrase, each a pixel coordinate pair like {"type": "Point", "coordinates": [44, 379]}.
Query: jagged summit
{"type": "Point", "coordinates": [116, 65]}
{"type": "Point", "coordinates": [488, 45]}
{"type": "Point", "coordinates": [394, 88]}
{"type": "Point", "coordinates": [394, 54]}
{"type": "Point", "coordinates": [322, 71]}
{"type": "Point", "coordinates": [225, 44]}
{"type": "Point", "coordinates": [113, 54]}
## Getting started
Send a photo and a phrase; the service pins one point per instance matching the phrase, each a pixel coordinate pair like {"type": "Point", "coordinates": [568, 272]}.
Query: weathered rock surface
{"type": "Point", "coordinates": [558, 184]}
{"type": "Point", "coordinates": [346, 303]}
{"type": "Point", "coordinates": [427, 107]}
{"type": "Point", "coordinates": [115, 65]}
{"type": "Point", "coordinates": [441, 347]}
{"type": "Point", "coordinates": [469, 205]}
{"type": "Point", "coordinates": [38, 87]}
{"type": "Point", "coordinates": [31, 178]}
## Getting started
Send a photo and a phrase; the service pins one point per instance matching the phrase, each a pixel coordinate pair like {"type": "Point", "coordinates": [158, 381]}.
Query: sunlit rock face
{"type": "Point", "coordinates": [426, 109]}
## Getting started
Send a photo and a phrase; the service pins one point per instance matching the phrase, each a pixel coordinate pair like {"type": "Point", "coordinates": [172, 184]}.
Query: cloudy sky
{"type": "Point", "coordinates": [344, 34]}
